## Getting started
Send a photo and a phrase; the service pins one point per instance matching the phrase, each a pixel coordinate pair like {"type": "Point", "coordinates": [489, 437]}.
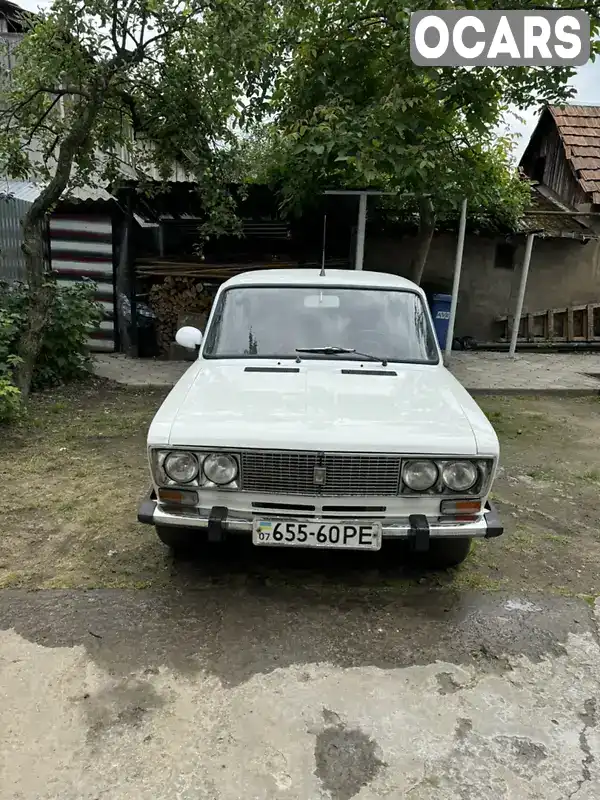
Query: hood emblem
{"type": "Point", "coordinates": [319, 476]}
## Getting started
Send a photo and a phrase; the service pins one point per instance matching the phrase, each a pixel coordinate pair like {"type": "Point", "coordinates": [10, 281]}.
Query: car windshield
{"type": "Point", "coordinates": [276, 321]}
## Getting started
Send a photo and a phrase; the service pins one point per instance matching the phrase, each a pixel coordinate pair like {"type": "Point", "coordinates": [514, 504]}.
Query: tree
{"type": "Point", "coordinates": [92, 72]}
{"type": "Point", "coordinates": [352, 109]}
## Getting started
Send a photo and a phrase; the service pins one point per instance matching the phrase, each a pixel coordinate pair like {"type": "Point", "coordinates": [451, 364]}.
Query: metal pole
{"type": "Point", "coordinates": [456, 283]}
{"type": "Point", "coordinates": [521, 297]}
{"type": "Point", "coordinates": [360, 233]}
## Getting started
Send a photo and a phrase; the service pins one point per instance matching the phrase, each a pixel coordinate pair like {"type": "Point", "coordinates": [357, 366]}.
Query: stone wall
{"type": "Point", "coordinates": [563, 272]}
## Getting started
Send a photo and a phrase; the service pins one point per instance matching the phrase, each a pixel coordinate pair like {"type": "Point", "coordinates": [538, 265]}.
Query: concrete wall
{"type": "Point", "coordinates": [562, 272]}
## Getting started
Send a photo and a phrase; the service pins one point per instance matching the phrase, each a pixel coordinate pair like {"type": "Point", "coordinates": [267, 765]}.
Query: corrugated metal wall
{"type": "Point", "coordinates": [12, 262]}
{"type": "Point", "coordinates": [81, 246]}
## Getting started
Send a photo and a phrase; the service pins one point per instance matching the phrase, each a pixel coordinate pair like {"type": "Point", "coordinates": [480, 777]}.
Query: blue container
{"type": "Point", "coordinates": [440, 311]}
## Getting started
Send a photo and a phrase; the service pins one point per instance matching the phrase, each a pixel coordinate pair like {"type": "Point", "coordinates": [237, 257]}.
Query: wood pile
{"type": "Point", "coordinates": [171, 299]}
{"type": "Point", "coordinates": [199, 269]}
{"type": "Point", "coordinates": [188, 287]}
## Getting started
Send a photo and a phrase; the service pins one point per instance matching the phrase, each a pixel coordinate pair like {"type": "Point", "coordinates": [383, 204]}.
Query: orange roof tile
{"type": "Point", "coordinates": [579, 129]}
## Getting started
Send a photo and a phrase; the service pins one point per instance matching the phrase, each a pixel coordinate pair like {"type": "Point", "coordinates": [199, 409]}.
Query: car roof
{"type": "Point", "coordinates": [312, 277]}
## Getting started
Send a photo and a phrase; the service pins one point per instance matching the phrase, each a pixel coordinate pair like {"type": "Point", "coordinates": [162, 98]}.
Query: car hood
{"type": "Point", "coordinates": [420, 409]}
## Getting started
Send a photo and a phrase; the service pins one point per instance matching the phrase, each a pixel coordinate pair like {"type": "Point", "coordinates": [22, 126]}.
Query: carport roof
{"type": "Point", "coordinates": [28, 191]}
{"type": "Point", "coordinates": [550, 218]}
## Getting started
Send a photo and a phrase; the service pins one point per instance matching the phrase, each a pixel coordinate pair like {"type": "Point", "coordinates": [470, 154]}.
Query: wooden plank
{"type": "Point", "coordinates": [539, 326]}
{"type": "Point", "coordinates": [595, 321]}
{"type": "Point", "coordinates": [550, 324]}
{"type": "Point", "coordinates": [569, 324]}
{"type": "Point", "coordinates": [590, 322]}
{"type": "Point", "coordinates": [529, 330]}
{"type": "Point", "coordinates": [579, 323]}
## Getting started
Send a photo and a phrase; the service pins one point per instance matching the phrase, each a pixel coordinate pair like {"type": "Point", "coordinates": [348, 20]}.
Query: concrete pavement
{"type": "Point", "coordinates": [251, 692]}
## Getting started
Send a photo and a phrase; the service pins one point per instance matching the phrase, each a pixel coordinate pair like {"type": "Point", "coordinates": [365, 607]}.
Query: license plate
{"type": "Point", "coordinates": [341, 535]}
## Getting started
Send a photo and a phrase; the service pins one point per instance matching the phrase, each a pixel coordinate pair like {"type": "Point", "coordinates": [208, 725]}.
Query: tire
{"type": "Point", "coordinates": [445, 553]}
{"type": "Point", "coordinates": [180, 540]}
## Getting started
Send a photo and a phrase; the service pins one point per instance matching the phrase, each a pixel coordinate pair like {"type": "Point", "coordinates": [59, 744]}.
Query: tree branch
{"type": "Point", "coordinates": [67, 90]}
{"type": "Point", "coordinates": [45, 90]}
{"type": "Point", "coordinates": [48, 152]}
{"type": "Point", "coordinates": [143, 28]}
{"type": "Point", "coordinates": [40, 121]}
{"type": "Point", "coordinates": [11, 112]}
{"type": "Point", "coordinates": [114, 25]}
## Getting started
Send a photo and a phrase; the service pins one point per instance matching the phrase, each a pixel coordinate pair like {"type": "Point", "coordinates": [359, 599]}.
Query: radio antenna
{"type": "Point", "coordinates": [322, 273]}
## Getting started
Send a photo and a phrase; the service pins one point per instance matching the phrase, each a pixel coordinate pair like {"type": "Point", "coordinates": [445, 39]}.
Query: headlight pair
{"type": "Point", "coordinates": [183, 467]}
{"type": "Point", "coordinates": [423, 475]}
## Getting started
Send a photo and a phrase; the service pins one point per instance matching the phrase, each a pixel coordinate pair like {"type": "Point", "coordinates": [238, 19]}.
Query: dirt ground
{"type": "Point", "coordinates": [74, 471]}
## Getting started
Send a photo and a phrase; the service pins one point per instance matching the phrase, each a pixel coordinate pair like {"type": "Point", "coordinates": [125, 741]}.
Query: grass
{"type": "Point", "coordinates": [513, 418]}
{"type": "Point", "coordinates": [76, 469]}
{"type": "Point", "coordinates": [591, 476]}
{"type": "Point", "coordinates": [557, 538]}
{"type": "Point", "coordinates": [77, 466]}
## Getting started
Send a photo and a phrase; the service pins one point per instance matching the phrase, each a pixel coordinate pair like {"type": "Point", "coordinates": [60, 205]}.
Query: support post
{"type": "Point", "coordinates": [360, 231]}
{"type": "Point", "coordinates": [456, 282]}
{"type": "Point", "coordinates": [521, 297]}
{"type": "Point", "coordinates": [131, 276]}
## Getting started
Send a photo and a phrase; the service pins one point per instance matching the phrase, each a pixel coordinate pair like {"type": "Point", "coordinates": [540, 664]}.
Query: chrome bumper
{"type": "Point", "coordinates": [218, 522]}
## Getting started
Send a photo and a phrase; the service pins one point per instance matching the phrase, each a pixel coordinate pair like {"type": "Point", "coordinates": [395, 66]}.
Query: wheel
{"type": "Point", "coordinates": [445, 553]}
{"type": "Point", "coordinates": [180, 540]}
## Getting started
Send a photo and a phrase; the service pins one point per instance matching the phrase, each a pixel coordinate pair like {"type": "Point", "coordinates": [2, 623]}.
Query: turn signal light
{"type": "Point", "coordinates": [178, 497]}
{"type": "Point", "coordinates": [460, 508]}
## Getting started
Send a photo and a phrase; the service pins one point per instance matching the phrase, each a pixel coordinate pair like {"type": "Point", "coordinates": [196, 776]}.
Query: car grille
{"type": "Point", "coordinates": [344, 474]}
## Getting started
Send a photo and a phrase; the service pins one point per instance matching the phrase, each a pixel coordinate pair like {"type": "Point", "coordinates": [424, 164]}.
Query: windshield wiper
{"type": "Point", "coordinates": [332, 350]}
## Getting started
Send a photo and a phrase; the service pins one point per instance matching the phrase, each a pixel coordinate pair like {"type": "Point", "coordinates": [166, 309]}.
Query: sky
{"type": "Point", "coordinates": [586, 82]}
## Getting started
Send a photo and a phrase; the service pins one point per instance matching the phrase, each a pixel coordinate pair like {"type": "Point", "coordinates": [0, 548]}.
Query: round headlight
{"type": "Point", "coordinates": [181, 467]}
{"type": "Point", "coordinates": [220, 468]}
{"type": "Point", "coordinates": [460, 476]}
{"type": "Point", "coordinates": [419, 475]}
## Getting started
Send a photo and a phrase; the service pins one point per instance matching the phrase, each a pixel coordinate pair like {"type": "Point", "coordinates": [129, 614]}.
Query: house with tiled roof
{"type": "Point", "coordinates": [563, 155]}
{"type": "Point", "coordinates": [562, 161]}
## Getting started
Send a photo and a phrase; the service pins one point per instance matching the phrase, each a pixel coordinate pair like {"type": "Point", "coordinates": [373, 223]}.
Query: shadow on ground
{"type": "Point", "coordinates": [236, 632]}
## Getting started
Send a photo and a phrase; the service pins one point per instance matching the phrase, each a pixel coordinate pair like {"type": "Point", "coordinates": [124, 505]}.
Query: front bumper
{"type": "Point", "coordinates": [218, 523]}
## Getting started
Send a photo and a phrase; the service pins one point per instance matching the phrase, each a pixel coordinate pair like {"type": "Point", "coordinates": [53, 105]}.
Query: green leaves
{"type": "Point", "coordinates": [186, 74]}
{"type": "Point", "coordinates": [10, 401]}
{"type": "Point", "coordinates": [63, 354]}
{"type": "Point", "coordinates": [352, 109]}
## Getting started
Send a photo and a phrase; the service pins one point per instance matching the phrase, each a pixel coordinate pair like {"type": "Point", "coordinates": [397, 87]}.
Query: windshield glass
{"type": "Point", "coordinates": [272, 322]}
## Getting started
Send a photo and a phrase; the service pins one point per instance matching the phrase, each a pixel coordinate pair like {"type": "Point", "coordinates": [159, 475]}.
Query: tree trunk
{"type": "Point", "coordinates": [40, 297]}
{"type": "Point", "coordinates": [41, 290]}
{"type": "Point", "coordinates": [426, 231]}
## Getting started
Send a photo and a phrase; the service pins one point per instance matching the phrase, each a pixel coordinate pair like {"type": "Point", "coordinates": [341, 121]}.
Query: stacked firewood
{"type": "Point", "coordinates": [200, 271]}
{"type": "Point", "coordinates": [189, 288]}
{"type": "Point", "coordinates": [173, 298]}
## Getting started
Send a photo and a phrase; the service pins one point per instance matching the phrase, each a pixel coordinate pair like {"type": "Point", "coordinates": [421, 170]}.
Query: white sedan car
{"type": "Point", "coordinates": [319, 413]}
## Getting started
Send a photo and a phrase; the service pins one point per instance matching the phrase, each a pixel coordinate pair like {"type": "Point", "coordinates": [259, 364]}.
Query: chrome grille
{"type": "Point", "coordinates": [345, 474]}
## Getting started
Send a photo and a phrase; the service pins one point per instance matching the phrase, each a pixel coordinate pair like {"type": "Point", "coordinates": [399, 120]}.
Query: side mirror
{"type": "Point", "coordinates": [189, 337]}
